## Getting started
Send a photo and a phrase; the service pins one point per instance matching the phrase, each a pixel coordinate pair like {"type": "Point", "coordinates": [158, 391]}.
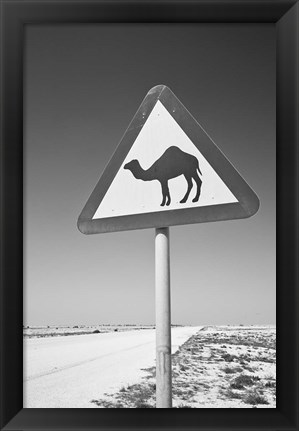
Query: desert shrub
{"type": "Point", "coordinates": [270, 385]}
{"type": "Point", "coordinates": [230, 370]}
{"type": "Point", "coordinates": [142, 405]}
{"type": "Point", "coordinates": [232, 395]}
{"type": "Point", "coordinates": [243, 380]}
{"type": "Point", "coordinates": [108, 404]}
{"type": "Point", "coordinates": [236, 385]}
{"type": "Point", "coordinates": [178, 392]}
{"type": "Point", "coordinates": [228, 358]}
{"type": "Point", "coordinates": [96, 331]}
{"type": "Point", "coordinates": [248, 368]}
{"type": "Point", "coordinates": [135, 396]}
{"type": "Point", "coordinates": [256, 378]}
{"type": "Point", "coordinates": [254, 398]}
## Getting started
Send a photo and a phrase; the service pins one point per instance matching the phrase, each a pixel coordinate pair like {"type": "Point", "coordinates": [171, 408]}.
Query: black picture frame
{"type": "Point", "coordinates": [15, 15]}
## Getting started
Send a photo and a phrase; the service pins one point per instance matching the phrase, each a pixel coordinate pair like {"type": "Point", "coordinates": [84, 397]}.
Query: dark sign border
{"type": "Point", "coordinates": [14, 16]}
{"type": "Point", "coordinates": [248, 202]}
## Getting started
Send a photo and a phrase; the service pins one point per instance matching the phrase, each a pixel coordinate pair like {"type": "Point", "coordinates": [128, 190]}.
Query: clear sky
{"type": "Point", "coordinates": [83, 85]}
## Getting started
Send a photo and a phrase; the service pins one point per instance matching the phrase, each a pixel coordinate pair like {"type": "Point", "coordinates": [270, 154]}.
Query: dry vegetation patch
{"type": "Point", "coordinates": [225, 367]}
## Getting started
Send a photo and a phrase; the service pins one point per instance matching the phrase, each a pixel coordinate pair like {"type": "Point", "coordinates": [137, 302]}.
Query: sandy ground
{"type": "Point", "coordinates": [71, 371]}
{"type": "Point", "coordinates": [227, 367]}
{"type": "Point", "coordinates": [218, 367]}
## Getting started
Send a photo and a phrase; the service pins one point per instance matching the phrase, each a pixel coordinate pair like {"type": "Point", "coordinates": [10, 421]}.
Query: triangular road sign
{"type": "Point", "coordinates": [166, 171]}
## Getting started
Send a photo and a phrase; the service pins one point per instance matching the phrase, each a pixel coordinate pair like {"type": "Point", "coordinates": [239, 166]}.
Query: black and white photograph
{"type": "Point", "coordinates": [149, 216]}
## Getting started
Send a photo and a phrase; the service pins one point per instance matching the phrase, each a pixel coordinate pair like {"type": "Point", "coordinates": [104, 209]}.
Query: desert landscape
{"type": "Point", "coordinates": [113, 366]}
{"type": "Point", "coordinates": [55, 331]}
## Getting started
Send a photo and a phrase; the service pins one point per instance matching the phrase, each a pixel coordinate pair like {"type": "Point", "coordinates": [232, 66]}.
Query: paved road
{"type": "Point", "coordinates": [71, 371]}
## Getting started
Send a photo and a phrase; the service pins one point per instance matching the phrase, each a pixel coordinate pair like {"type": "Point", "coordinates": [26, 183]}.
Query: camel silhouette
{"type": "Point", "coordinates": [173, 163]}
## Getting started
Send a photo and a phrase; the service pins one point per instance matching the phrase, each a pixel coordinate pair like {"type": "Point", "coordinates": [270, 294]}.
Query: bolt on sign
{"type": "Point", "coordinates": [165, 171]}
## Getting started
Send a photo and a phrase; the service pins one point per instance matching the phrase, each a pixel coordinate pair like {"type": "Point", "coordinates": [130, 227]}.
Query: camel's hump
{"type": "Point", "coordinates": [173, 149]}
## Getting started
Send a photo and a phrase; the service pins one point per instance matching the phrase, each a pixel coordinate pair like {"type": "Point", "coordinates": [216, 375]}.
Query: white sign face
{"type": "Point", "coordinates": [138, 188]}
{"type": "Point", "coordinates": [166, 171]}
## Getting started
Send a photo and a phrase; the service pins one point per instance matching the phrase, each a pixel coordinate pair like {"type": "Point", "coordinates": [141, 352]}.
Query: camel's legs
{"type": "Point", "coordinates": [168, 195]}
{"type": "Point", "coordinates": [198, 183]}
{"type": "Point", "coordinates": [165, 193]}
{"type": "Point", "coordinates": [190, 185]}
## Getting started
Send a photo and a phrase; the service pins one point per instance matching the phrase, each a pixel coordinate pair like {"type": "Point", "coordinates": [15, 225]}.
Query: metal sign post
{"type": "Point", "coordinates": [163, 320]}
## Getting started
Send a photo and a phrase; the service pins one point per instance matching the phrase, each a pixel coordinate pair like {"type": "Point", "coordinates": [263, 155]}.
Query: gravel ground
{"type": "Point", "coordinates": [218, 367]}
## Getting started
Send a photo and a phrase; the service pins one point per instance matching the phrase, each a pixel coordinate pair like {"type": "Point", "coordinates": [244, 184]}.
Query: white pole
{"type": "Point", "coordinates": [163, 321]}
